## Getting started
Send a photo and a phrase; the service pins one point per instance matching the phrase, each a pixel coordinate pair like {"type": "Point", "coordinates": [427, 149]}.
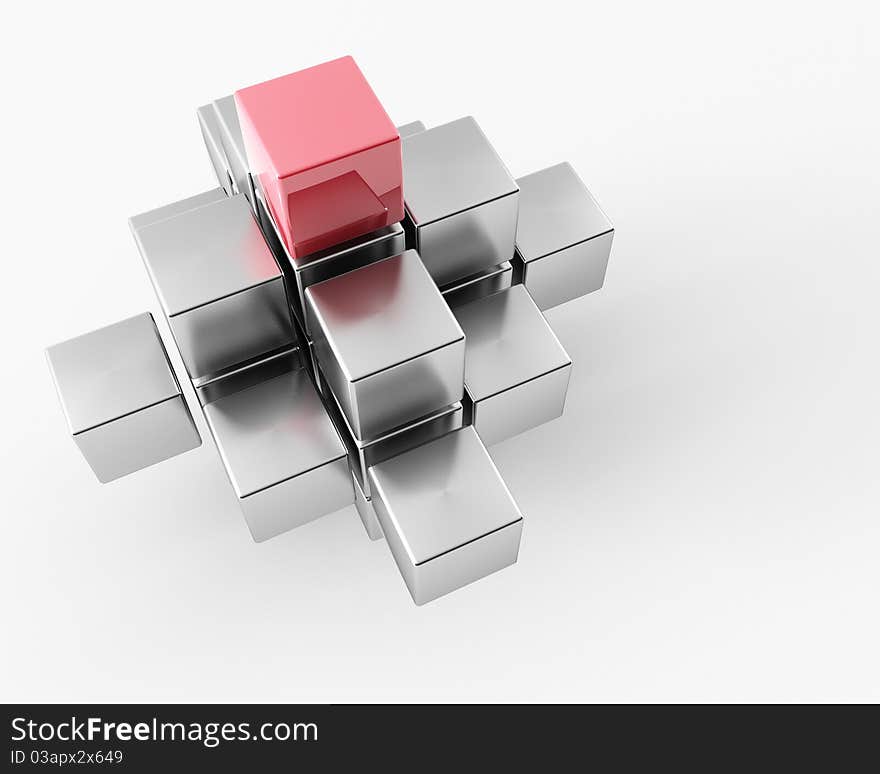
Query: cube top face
{"type": "Point", "coordinates": [176, 208]}
{"type": "Point", "coordinates": [315, 116]}
{"type": "Point", "coordinates": [206, 254]}
{"type": "Point", "coordinates": [451, 168]}
{"type": "Point", "coordinates": [381, 315]}
{"type": "Point", "coordinates": [443, 495]}
{"type": "Point", "coordinates": [111, 372]}
{"type": "Point", "coordinates": [325, 153]}
{"type": "Point", "coordinates": [508, 342]}
{"type": "Point", "coordinates": [272, 432]}
{"type": "Point", "coordinates": [556, 211]}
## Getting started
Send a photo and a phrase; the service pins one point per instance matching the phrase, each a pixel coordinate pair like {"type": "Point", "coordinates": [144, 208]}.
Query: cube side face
{"type": "Point", "coordinates": [522, 407]}
{"type": "Point", "coordinates": [409, 391]}
{"type": "Point", "coordinates": [367, 513]}
{"type": "Point", "coordinates": [466, 564]}
{"type": "Point", "coordinates": [333, 177]}
{"type": "Point", "coordinates": [139, 440]}
{"type": "Point", "coordinates": [298, 500]}
{"type": "Point", "coordinates": [568, 274]}
{"type": "Point", "coordinates": [469, 242]}
{"type": "Point", "coordinates": [232, 142]}
{"type": "Point", "coordinates": [233, 329]}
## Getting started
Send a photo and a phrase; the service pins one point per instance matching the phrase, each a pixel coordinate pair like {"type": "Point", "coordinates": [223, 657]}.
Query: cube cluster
{"type": "Point", "coordinates": [358, 308]}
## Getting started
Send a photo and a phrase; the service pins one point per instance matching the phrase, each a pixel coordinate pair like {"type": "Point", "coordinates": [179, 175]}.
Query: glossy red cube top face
{"type": "Point", "coordinates": [325, 153]}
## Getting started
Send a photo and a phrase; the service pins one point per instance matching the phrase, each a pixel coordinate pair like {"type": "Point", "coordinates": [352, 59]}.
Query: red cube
{"type": "Point", "coordinates": [325, 153]}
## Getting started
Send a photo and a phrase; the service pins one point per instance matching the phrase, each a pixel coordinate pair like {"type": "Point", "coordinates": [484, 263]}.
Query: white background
{"type": "Point", "coordinates": [702, 524]}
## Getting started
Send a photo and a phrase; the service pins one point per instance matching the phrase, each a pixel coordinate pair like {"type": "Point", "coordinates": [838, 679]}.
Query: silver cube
{"type": "Point", "coordinates": [120, 397]}
{"type": "Point", "coordinates": [460, 201]}
{"type": "Point", "coordinates": [387, 344]}
{"type": "Point", "coordinates": [563, 238]}
{"type": "Point", "coordinates": [281, 452]}
{"type": "Point", "coordinates": [218, 283]}
{"type": "Point", "coordinates": [516, 372]}
{"type": "Point", "coordinates": [446, 514]}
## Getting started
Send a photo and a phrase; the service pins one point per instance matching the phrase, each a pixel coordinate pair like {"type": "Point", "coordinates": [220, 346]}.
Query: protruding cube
{"type": "Point", "coordinates": [220, 287]}
{"type": "Point", "coordinates": [516, 372]}
{"type": "Point", "coordinates": [388, 345]}
{"type": "Point", "coordinates": [563, 239]}
{"type": "Point", "coordinates": [446, 514]}
{"type": "Point", "coordinates": [461, 202]}
{"type": "Point", "coordinates": [324, 152]}
{"type": "Point", "coordinates": [121, 399]}
{"type": "Point", "coordinates": [282, 454]}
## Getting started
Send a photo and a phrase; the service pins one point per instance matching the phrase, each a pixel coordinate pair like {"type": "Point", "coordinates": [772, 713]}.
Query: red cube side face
{"type": "Point", "coordinates": [325, 153]}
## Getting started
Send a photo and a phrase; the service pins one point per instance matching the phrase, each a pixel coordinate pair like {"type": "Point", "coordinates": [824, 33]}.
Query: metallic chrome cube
{"type": "Point", "coordinates": [563, 238]}
{"type": "Point", "coordinates": [387, 344]}
{"type": "Point", "coordinates": [120, 397]}
{"type": "Point", "coordinates": [219, 285]}
{"type": "Point", "coordinates": [461, 202]}
{"type": "Point", "coordinates": [281, 452]}
{"type": "Point", "coordinates": [478, 286]}
{"type": "Point", "coordinates": [516, 372]}
{"type": "Point", "coordinates": [446, 514]}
